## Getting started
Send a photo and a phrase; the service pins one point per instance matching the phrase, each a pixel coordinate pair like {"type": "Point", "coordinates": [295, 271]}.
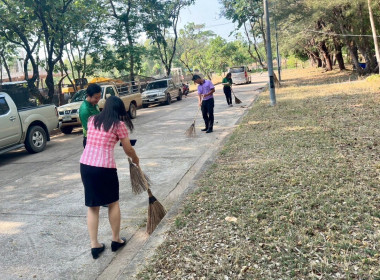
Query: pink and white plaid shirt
{"type": "Point", "coordinates": [100, 145]}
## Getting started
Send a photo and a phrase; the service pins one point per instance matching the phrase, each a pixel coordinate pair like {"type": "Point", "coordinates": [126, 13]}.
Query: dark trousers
{"type": "Point", "coordinates": [227, 93]}
{"type": "Point", "coordinates": [208, 112]}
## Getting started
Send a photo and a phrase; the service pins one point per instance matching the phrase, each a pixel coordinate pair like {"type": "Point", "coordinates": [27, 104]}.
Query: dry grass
{"type": "Point", "coordinates": [294, 193]}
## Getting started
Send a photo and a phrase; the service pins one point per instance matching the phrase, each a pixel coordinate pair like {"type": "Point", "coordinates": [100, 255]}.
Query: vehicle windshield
{"type": "Point", "coordinates": [157, 85]}
{"type": "Point", "coordinates": [237, 70]}
{"type": "Point", "coordinates": [79, 96]}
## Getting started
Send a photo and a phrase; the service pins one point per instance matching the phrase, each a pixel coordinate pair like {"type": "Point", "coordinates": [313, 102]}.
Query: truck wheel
{"type": "Point", "coordinates": [36, 139]}
{"type": "Point", "coordinates": [132, 111]}
{"type": "Point", "coordinates": [145, 105]}
{"type": "Point", "coordinates": [179, 97]}
{"type": "Point", "coordinates": [168, 99]}
{"type": "Point", "coordinates": [67, 129]}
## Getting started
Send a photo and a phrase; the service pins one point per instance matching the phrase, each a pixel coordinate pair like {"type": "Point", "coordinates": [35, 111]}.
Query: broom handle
{"type": "Point", "coordinates": [144, 179]}
{"type": "Point", "coordinates": [233, 92]}
{"type": "Point", "coordinates": [196, 115]}
{"type": "Point", "coordinates": [199, 107]}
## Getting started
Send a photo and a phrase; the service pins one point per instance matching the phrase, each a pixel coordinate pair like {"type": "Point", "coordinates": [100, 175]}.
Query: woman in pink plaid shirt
{"type": "Point", "coordinates": [98, 169]}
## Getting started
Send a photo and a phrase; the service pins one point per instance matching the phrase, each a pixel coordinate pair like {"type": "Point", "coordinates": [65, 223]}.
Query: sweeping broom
{"type": "Point", "coordinates": [156, 212]}
{"type": "Point", "coordinates": [237, 100]}
{"type": "Point", "coordinates": [140, 182]}
{"type": "Point", "coordinates": [190, 132]}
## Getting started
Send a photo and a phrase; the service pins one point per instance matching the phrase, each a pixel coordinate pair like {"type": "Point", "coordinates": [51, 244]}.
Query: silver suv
{"type": "Point", "coordinates": [161, 91]}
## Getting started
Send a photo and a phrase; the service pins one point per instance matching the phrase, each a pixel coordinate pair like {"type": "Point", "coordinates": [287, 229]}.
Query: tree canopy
{"type": "Point", "coordinates": [82, 38]}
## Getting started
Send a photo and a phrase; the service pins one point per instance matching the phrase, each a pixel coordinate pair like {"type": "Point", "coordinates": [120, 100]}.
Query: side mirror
{"type": "Point", "coordinates": [108, 95]}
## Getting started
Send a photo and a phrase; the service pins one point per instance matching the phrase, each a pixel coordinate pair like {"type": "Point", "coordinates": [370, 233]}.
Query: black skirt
{"type": "Point", "coordinates": [101, 185]}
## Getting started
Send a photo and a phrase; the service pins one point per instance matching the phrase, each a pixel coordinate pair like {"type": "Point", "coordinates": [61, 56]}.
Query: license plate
{"type": "Point", "coordinates": [66, 118]}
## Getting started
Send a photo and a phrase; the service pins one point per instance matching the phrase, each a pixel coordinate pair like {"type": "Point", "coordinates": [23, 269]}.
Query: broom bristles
{"type": "Point", "coordinates": [190, 132]}
{"type": "Point", "coordinates": [237, 100]}
{"type": "Point", "coordinates": [156, 212]}
{"type": "Point", "coordinates": [140, 182]}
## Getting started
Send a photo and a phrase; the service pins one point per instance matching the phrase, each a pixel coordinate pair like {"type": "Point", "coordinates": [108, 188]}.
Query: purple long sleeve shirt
{"type": "Point", "coordinates": [205, 88]}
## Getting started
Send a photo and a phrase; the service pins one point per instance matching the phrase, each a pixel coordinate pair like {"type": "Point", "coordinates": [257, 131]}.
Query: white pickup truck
{"type": "Point", "coordinates": [69, 113]}
{"type": "Point", "coordinates": [161, 91]}
{"type": "Point", "coordinates": [25, 126]}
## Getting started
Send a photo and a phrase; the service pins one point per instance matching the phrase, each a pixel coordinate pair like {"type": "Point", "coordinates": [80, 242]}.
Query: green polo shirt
{"type": "Point", "coordinates": [87, 110]}
{"type": "Point", "coordinates": [225, 80]}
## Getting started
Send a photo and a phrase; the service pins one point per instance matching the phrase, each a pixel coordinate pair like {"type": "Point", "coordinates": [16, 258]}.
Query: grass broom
{"type": "Point", "coordinates": [190, 132]}
{"type": "Point", "coordinates": [140, 182]}
{"type": "Point", "coordinates": [237, 100]}
{"type": "Point", "coordinates": [156, 212]}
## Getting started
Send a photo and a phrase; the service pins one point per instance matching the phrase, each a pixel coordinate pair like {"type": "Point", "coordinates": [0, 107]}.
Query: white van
{"type": "Point", "coordinates": [240, 75]}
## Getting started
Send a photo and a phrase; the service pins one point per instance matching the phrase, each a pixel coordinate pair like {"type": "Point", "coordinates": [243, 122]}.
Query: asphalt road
{"type": "Point", "coordinates": [43, 233]}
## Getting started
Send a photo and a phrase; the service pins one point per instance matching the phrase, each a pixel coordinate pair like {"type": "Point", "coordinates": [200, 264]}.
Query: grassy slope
{"type": "Point", "coordinates": [302, 179]}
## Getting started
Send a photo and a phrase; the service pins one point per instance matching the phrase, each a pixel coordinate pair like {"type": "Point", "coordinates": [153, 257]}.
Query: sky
{"type": "Point", "coordinates": [207, 12]}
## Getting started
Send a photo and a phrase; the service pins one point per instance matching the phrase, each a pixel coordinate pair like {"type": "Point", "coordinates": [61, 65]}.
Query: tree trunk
{"type": "Point", "coordinates": [370, 64]}
{"type": "Point", "coordinates": [131, 45]}
{"type": "Point", "coordinates": [61, 97]}
{"type": "Point", "coordinates": [315, 54]}
{"type": "Point", "coordinates": [312, 60]}
{"type": "Point", "coordinates": [339, 55]}
{"type": "Point", "coordinates": [49, 81]}
{"type": "Point", "coordinates": [63, 66]}
{"type": "Point", "coordinates": [186, 65]}
{"type": "Point", "coordinates": [6, 67]}
{"type": "Point", "coordinates": [374, 33]}
{"type": "Point", "coordinates": [33, 90]}
{"type": "Point", "coordinates": [255, 47]}
{"type": "Point", "coordinates": [326, 55]}
{"type": "Point", "coordinates": [354, 56]}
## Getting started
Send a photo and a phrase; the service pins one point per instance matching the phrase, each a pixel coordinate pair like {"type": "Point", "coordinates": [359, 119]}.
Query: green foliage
{"type": "Point", "coordinates": [201, 49]}
{"type": "Point", "coordinates": [160, 25]}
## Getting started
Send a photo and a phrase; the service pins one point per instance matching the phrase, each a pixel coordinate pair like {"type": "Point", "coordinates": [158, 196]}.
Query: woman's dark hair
{"type": "Point", "coordinates": [93, 89]}
{"type": "Point", "coordinates": [113, 112]}
{"type": "Point", "coordinates": [228, 76]}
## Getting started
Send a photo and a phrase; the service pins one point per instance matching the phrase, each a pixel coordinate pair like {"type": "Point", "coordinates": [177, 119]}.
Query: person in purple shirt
{"type": "Point", "coordinates": [206, 101]}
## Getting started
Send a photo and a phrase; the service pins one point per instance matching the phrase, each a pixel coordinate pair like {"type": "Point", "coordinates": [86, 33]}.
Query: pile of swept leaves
{"type": "Point", "coordinates": [293, 194]}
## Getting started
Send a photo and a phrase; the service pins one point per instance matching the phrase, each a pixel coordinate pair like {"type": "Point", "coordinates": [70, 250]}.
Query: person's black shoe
{"type": "Point", "coordinates": [95, 252]}
{"type": "Point", "coordinates": [116, 245]}
{"type": "Point", "coordinates": [205, 129]}
{"type": "Point", "coordinates": [209, 130]}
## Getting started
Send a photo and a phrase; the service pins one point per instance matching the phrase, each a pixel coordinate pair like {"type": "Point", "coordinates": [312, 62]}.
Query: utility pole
{"type": "Point", "coordinates": [277, 50]}
{"type": "Point", "coordinates": [269, 56]}
{"type": "Point", "coordinates": [374, 34]}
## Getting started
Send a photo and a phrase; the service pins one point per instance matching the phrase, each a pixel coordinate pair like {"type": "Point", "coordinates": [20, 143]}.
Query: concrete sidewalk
{"type": "Point", "coordinates": [42, 215]}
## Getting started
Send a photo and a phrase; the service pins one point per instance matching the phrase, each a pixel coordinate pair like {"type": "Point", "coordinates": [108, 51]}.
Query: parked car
{"type": "Point", "coordinates": [240, 75]}
{"type": "Point", "coordinates": [69, 113]}
{"type": "Point", "coordinates": [161, 91]}
{"type": "Point", "coordinates": [25, 126]}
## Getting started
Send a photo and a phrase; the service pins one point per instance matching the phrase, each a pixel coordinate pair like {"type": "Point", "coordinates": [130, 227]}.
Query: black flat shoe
{"type": "Point", "coordinates": [205, 129]}
{"type": "Point", "coordinates": [95, 252]}
{"type": "Point", "coordinates": [116, 245]}
{"type": "Point", "coordinates": [209, 131]}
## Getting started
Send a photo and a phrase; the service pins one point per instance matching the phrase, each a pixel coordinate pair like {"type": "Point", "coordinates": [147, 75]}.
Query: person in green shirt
{"type": "Point", "coordinates": [227, 82]}
{"type": "Point", "coordinates": [89, 107]}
